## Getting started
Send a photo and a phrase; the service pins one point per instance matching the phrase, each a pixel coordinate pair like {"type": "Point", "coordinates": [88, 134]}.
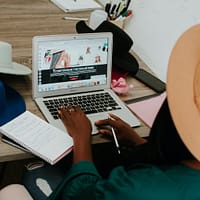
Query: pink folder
{"type": "Point", "coordinates": [146, 110]}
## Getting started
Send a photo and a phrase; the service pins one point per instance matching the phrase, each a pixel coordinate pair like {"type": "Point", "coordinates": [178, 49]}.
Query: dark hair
{"type": "Point", "coordinates": [166, 139]}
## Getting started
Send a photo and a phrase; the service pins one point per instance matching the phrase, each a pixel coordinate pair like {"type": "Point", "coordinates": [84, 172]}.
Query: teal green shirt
{"type": "Point", "coordinates": [141, 182]}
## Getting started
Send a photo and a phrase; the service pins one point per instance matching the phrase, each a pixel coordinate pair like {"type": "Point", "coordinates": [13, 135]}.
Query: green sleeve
{"type": "Point", "coordinates": [79, 183]}
{"type": "Point", "coordinates": [142, 182]}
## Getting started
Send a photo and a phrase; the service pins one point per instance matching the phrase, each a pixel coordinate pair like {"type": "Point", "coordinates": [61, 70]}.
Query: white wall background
{"type": "Point", "coordinates": [155, 27]}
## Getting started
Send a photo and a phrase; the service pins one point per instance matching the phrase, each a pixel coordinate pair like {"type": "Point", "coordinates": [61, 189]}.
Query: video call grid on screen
{"type": "Point", "coordinates": [72, 63]}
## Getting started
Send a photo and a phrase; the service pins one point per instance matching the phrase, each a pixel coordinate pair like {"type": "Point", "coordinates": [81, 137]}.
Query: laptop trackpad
{"type": "Point", "coordinates": [94, 118]}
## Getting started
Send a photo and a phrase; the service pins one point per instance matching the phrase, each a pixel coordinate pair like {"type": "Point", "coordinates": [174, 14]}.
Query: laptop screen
{"type": "Point", "coordinates": [66, 63]}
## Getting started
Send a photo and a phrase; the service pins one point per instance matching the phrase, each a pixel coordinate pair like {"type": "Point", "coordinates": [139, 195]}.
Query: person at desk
{"type": "Point", "coordinates": [141, 180]}
{"type": "Point", "coordinates": [174, 138]}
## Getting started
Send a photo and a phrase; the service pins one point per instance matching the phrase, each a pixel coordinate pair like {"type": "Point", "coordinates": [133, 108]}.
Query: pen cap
{"type": "Point", "coordinates": [122, 44]}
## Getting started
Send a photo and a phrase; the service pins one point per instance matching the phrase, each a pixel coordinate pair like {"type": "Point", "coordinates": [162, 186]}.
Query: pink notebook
{"type": "Point", "coordinates": [147, 109]}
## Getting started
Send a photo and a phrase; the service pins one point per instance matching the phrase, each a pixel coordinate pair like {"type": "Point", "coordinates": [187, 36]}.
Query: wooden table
{"type": "Point", "coordinates": [21, 20]}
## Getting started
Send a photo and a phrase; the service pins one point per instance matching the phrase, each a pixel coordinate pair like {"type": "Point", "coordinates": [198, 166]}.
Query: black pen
{"type": "Point", "coordinates": [127, 4]}
{"type": "Point", "coordinates": [117, 9]}
{"type": "Point", "coordinates": [112, 12]}
{"type": "Point", "coordinates": [113, 9]}
{"type": "Point", "coordinates": [107, 9]}
{"type": "Point", "coordinates": [115, 13]}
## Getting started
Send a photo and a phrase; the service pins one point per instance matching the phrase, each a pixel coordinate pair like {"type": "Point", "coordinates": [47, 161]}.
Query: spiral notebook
{"type": "Point", "coordinates": [38, 137]}
{"type": "Point", "coordinates": [76, 5]}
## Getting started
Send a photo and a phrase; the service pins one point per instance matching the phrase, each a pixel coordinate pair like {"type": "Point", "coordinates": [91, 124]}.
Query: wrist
{"type": "Point", "coordinates": [82, 151]}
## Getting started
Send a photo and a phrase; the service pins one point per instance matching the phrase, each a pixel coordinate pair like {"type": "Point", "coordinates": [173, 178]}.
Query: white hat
{"type": "Point", "coordinates": [6, 64]}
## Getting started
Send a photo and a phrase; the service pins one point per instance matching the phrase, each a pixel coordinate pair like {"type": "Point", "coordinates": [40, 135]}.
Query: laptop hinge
{"type": "Point", "coordinates": [73, 93]}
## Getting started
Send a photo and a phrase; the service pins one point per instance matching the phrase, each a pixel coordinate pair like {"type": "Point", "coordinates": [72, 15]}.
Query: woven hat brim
{"type": "Point", "coordinates": [182, 70]}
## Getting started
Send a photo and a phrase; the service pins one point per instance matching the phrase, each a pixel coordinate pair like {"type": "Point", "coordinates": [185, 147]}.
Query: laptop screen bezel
{"type": "Point", "coordinates": [35, 45]}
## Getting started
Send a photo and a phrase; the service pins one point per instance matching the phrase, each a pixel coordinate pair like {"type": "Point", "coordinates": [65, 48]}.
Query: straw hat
{"type": "Point", "coordinates": [6, 64]}
{"type": "Point", "coordinates": [183, 88]}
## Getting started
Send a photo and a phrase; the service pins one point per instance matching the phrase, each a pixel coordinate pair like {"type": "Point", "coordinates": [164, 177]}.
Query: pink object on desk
{"type": "Point", "coordinates": [120, 86]}
{"type": "Point", "coordinates": [147, 109]}
{"type": "Point", "coordinates": [118, 82]}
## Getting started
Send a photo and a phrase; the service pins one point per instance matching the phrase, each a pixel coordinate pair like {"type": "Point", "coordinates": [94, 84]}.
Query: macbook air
{"type": "Point", "coordinates": [76, 69]}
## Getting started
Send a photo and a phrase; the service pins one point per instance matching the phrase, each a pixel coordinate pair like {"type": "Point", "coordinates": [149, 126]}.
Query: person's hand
{"type": "Point", "coordinates": [123, 130]}
{"type": "Point", "coordinates": [76, 122]}
{"type": "Point", "coordinates": [79, 128]}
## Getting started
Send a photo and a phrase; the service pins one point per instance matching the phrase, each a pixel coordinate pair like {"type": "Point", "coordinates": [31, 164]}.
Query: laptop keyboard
{"type": "Point", "coordinates": [92, 103]}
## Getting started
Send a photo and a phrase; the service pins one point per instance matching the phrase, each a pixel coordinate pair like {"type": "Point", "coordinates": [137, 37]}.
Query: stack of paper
{"type": "Point", "coordinates": [76, 5]}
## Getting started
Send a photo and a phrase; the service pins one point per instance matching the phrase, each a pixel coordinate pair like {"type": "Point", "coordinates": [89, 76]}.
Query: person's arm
{"type": "Point", "coordinates": [79, 127]}
{"type": "Point", "coordinates": [79, 183]}
{"type": "Point", "coordinates": [82, 151]}
{"type": "Point", "coordinates": [83, 175]}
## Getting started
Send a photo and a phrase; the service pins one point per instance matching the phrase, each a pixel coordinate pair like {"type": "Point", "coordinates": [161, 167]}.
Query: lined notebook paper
{"type": "Point", "coordinates": [39, 137]}
{"type": "Point", "coordinates": [76, 5]}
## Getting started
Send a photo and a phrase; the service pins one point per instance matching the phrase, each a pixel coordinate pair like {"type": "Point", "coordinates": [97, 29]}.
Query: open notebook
{"type": "Point", "coordinates": [76, 69]}
{"type": "Point", "coordinates": [30, 133]}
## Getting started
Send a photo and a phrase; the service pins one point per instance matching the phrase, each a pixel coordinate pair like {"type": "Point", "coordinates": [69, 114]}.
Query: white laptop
{"type": "Point", "coordinates": [75, 66]}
